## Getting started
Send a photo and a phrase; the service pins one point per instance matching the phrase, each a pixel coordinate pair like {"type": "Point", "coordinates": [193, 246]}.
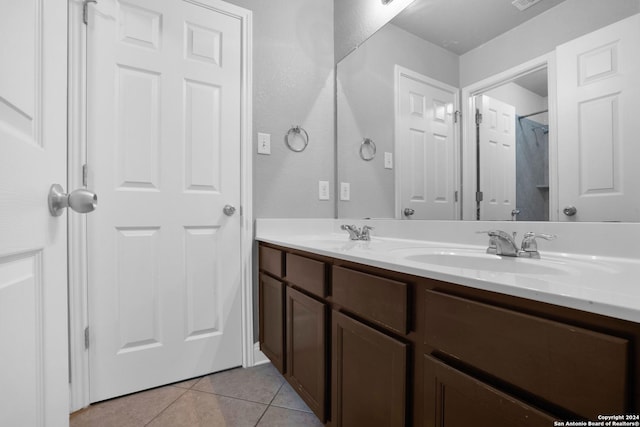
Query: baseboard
{"type": "Point", "coordinates": [258, 357]}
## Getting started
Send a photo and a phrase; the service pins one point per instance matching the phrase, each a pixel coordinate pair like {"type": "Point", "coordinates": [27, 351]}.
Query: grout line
{"type": "Point", "coordinates": [167, 407]}
{"type": "Point", "coordinates": [270, 402]}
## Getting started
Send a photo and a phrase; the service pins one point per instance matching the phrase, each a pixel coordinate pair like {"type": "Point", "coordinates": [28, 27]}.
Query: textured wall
{"type": "Point", "coordinates": [293, 84]}
{"type": "Point", "coordinates": [366, 109]}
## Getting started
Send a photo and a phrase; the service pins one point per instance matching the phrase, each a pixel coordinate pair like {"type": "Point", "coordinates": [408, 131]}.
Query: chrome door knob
{"type": "Point", "coordinates": [409, 211]}
{"type": "Point", "coordinates": [80, 200]}
{"type": "Point", "coordinates": [570, 210]}
{"type": "Point", "coordinates": [229, 210]}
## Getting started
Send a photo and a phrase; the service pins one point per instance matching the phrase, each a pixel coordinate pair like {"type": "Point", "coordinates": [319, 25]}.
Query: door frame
{"type": "Point", "coordinates": [469, 152]}
{"type": "Point", "coordinates": [403, 72]}
{"type": "Point", "coordinates": [77, 150]}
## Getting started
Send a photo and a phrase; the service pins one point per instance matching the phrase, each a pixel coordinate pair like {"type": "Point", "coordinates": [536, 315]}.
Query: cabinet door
{"type": "Point", "coordinates": [369, 376]}
{"type": "Point", "coordinates": [454, 399]}
{"type": "Point", "coordinates": [272, 320]}
{"type": "Point", "coordinates": [306, 349]}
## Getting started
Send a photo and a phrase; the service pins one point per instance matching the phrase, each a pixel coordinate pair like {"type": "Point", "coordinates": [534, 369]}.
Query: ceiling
{"type": "Point", "coordinates": [462, 25]}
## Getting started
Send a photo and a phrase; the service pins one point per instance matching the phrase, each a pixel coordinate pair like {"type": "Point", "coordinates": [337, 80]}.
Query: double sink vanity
{"type": "Point", "coordinates": [419, 325]}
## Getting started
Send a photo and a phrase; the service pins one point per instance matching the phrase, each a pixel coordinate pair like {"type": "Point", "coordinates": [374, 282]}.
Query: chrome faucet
{"type": "Point", "coordinates": [504, 244]}
{"type": "Point", "coordinates": [356, 233]}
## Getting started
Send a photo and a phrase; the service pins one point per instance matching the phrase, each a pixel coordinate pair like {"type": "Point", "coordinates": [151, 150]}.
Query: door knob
{"type": "Point", "coordinates": [229, 210]}
{"type": "Point", "coordinates": [80, 200]}
{"type": "Point", "coordinates": [409, 211]}
{"type": "Point", "coordinates": [570, 210]}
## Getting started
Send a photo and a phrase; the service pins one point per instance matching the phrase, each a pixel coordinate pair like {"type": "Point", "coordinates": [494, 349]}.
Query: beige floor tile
{"type": "Point", "coordinates": [282, 417]}
{"type": "Point", "coordinates": [287, 398]}
{"type": "Point", "coordinates": [196, 409]}
{"type": "Point", "coordinates": [258, 384]}
{"type": "Point", "coordinates": [129, 411]}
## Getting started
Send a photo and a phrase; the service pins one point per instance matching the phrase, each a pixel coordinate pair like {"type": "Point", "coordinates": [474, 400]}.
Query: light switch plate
{"type": "Point", "coordinates": [264, 143]}
{"type": "Point", "coordinates": [323, 190]}
{"type": "Point", "coordinates": [345, 191]}
{"type": "Point", "coordinates": [388, 160]}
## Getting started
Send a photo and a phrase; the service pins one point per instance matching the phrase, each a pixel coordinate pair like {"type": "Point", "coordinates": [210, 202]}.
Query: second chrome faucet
{"type": "Point", "coordinates": [504, 244]}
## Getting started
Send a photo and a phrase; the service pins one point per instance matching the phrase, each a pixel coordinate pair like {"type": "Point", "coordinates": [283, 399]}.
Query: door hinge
{"type": "Point", "coordinates": [86, 338]}
{"type": "Point", "coordinates": [85, 173]}
{"type": "Point", "coordinates": [455, 196]}
{"type": "Point", "coordinates": [478, 117]}
{"type": "Point", "coordinates": [456, 116]}
{"type": "Point", "coordinates": [85, 10]}
{"type": "Point", "coordinates": [479, 196]}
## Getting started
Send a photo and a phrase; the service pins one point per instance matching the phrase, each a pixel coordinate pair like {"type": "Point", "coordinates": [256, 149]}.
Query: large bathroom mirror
{"type": "Point", "coordinates": [478, 110]}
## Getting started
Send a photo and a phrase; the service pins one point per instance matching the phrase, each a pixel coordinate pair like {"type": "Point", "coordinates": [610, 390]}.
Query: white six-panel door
{"type": "Point", "coordinates": [33, 244]}
{"type": "Point", "coordinates": [497, 158]}
{"type": "Point", "coordinates": [425, 146]}
{"type": "Point", "coordinates": [164, 156]}
{"type": "Point", "coordinates": [598, 124]}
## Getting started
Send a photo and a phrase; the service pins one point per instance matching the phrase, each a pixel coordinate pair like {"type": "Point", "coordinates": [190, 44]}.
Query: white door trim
{"type": "Point", "coordinates": [399, 72]}
{"type": "Point", "coordinates": [77, 144]}
{"type": "Point", "coordinates": [469, 130]}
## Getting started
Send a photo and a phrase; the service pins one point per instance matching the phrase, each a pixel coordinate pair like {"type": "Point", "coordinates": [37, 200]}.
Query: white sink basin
{"type": "Point", "coordinates": [487, 262]}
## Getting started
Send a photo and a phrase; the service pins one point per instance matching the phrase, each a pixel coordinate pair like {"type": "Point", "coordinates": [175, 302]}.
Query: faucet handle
{"type": "Point", "coordinates": [364, 233]}
{"type": "Point", "coordinates": [530, 245]}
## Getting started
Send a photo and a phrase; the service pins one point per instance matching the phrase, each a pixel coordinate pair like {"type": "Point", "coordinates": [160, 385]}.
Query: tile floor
{"type": "Point", "coordinates": [257, 396]}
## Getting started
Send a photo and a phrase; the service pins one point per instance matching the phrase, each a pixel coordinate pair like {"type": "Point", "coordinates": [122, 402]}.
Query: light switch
{"type": "Point", "coordinates": [264, 143]}
{"type": "Point", "coordinates": [323, 190]}
{"type": "Point", "coordinates": [345, 191]}
{"type": "Point", "coordinates": [388, 160]}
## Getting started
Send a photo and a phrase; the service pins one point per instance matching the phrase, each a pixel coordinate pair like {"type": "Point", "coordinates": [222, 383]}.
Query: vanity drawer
{"type": "Point", "coordinates": [307, 274]}
{"type": "Point", "coordinates": [271, 260]}
{"type": "Point", "coordinates": [383, 301]}
{"type": "Point", "coordinates": [583, 371]}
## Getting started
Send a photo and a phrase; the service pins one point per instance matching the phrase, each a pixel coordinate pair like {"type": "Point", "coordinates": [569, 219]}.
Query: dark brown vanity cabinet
{"type": "Point", "coordinates": [454, 399]}
{"type": "Point", "coordinates": [364, 346]}
{"type": "Point", "coordinates": [369, 375]}
{"type": "Point", "coordinates": [307, 349]}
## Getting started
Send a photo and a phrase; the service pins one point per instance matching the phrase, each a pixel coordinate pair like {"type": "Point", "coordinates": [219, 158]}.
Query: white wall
{"type": "Point", "coordinates": [293, 84]}
{"type": "Point", "coordinates": [525, 101]}
{"type": "Point", "coordinates": [366, 96]}
{"type": "Point", "coordinates": [565, 22]}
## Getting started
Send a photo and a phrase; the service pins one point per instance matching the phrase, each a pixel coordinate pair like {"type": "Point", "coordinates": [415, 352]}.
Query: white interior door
{"type": "Point", "coordinates": [497, 139]}
{"type": "Point", "coordinates": [425, 145]}
{"type": "Point", "coordinates": [33, 244]}
{"type": "Point", "coordinates": [598, 125]}
{"type": "Point", "coordinates": [164, 155]}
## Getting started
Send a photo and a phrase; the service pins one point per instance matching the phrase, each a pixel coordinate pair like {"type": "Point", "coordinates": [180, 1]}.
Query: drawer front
{"type": "Point", "coordinates": [582, 371]}
{"type": "Point", "coordinates": [307, 274]}
{"type": "Point", "coordinates": [271, 261]}
{"type": "Point", "coordinates": [380, 300]}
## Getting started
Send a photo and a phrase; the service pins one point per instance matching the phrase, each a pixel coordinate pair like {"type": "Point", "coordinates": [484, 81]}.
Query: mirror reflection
{"type": "Point", "coordinates": [525, 117]}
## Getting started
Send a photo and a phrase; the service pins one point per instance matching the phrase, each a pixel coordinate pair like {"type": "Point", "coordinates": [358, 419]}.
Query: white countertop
{"type": "Point", "coordinates": [594, 283]}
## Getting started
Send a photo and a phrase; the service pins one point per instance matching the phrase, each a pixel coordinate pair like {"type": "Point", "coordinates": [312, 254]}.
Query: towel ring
{"type": "Point", "coordinates": [301, 133]}
{"type": "Point", "coordinates": [367, 149]}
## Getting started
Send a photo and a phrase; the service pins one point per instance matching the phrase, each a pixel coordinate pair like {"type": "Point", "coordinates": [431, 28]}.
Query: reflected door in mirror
{"type": "Point", "coordinates": [426, 142]}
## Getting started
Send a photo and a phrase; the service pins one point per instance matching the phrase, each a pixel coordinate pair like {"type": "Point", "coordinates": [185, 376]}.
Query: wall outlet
{"type": "Point", "coordinates": [264, 143]}
{"type": "Point", "coordinates": [323, 190]}
{"type": "Point", "coordinates": [345, 191]}
{"type": "Point", "coordinates": [388, 160]}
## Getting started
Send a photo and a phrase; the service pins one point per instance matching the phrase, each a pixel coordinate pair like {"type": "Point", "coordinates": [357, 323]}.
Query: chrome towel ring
{"type": "Point", "coordinates": [297, 133]}
{"type": "Point", "coordinates": [367, 149]}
